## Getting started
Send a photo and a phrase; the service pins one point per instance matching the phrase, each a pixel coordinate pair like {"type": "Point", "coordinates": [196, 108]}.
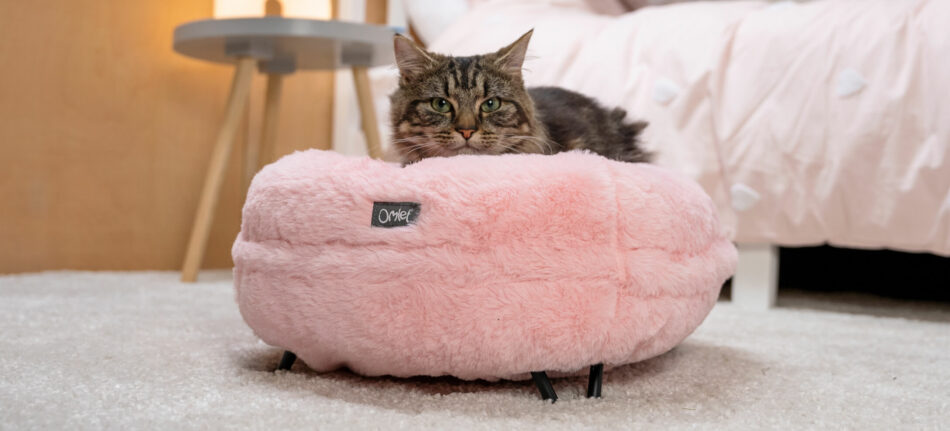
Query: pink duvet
{"type": "Point", "coordinates": [824, 121]}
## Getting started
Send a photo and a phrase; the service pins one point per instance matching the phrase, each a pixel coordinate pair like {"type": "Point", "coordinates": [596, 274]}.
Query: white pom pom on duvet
{"type": "Point", "coordinates": [780, 6]}
{"type": "Point", "coordinates": [849, 82]}
{"type": "Point", "coordinates": [665, 90]}
{"type": "Point", "coordinates": [743, 197]}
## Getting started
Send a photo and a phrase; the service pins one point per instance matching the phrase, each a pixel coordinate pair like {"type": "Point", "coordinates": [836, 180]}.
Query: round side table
{"type": "Point", "coordinates": [277, 46]}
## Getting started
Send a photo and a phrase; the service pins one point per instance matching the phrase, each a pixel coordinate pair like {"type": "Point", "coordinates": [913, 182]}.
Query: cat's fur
{"type": "Point", "coordinates": [537, 120]}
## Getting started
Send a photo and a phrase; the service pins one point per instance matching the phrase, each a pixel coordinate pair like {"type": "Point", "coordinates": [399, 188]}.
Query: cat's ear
{"type": "Point", "coordinates": [411, 59]}
{"type": "Point", "coordinates": [511, 57]}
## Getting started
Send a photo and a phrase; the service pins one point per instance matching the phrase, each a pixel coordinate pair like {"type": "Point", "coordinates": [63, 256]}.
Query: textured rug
{"type": "Point", "coordinates": [139, 350]}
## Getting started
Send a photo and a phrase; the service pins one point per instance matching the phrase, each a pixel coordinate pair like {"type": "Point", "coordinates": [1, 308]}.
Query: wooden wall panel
{"type": "Point", "coordinates": [105, 134]}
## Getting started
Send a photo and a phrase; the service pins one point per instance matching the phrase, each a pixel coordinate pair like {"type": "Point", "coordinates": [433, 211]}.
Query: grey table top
{"type": "Point", "coordinates": [286, 44]}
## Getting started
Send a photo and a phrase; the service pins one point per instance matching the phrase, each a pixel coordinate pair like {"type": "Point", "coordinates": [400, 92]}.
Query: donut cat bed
{"type": "Point", "coordinates": [479, 267]}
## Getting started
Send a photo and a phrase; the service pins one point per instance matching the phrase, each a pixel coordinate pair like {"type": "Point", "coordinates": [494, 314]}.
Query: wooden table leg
{"type": "Point", "coordinates": [367, 112]}
{"type": "Point", "coordinates": [261, 153]}
{"type": "Point", "coordinates": [237, 100]}
{"type": "Point", "coordinates": [275, 82]}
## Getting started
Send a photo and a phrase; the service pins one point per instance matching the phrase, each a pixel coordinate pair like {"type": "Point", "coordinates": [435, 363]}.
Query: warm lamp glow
{"type": "Point", "coordinates": [314, 9]}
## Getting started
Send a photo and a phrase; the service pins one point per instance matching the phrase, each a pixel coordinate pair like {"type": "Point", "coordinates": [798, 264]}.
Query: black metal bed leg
{"type": "Point", "coordinates": [544, 385]}
{"type": "Point", "coordinates": [287, 360]}
{"type": "Point", "coordinates": [595, 381]}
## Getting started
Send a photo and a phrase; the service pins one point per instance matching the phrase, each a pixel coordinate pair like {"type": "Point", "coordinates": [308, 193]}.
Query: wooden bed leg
{"type": "Point", "coordinates": [756, 281]}
{"type": "Point", "coordinates": [595, 381]}
{"type": "Point", "coordinates": [286, 361]}
{"type": "Point", "coordinates": [544, 386]}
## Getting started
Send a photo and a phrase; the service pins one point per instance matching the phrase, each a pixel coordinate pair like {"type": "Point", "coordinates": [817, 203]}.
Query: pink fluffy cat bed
{"type": "Point", "coordinates": [479, 267]}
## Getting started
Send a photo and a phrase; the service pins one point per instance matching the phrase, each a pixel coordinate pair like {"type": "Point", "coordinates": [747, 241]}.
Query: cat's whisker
{"type": "Point", "coordinates": [412, 139]}
{"type": "Point", "coordinates": [417, 144]}
{"type": "Point", "coordinates": [419, 147]}
{"type": "Point", "coordinates": [544, 145]}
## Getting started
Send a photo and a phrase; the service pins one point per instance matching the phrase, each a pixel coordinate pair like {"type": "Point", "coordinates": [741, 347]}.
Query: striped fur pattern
{"type": "Point", "coordinates": [447, 106]}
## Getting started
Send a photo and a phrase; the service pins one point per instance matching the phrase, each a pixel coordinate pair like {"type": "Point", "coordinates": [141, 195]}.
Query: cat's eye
{"type": "Point", "coordinates": [491, 105]}
{"type": "Point", "coordinates": [441, 105]}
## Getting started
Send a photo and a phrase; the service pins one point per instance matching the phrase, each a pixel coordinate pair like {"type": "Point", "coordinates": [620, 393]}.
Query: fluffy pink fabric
{"type": "Point", "coordinates": [516, 263]}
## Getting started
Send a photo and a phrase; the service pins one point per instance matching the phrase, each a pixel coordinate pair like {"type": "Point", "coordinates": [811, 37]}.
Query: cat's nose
{"type": "Point", "coordinates": [466, 133]}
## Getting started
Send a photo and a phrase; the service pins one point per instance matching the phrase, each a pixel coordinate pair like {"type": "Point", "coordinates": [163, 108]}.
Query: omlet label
{"type": "Point", "coordinates": [394, 214]}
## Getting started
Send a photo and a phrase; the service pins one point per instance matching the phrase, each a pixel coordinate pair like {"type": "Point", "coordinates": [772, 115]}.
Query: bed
{"type": "Point", "coordinates": [808, 123]}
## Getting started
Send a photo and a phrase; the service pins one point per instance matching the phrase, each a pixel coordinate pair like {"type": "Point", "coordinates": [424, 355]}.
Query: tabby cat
{"type": "Point", "coordinates": [446, 106]}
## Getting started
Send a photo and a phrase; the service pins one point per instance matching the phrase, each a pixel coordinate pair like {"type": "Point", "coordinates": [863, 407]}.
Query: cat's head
{"type": "Point", "coordinates": [446, 105]}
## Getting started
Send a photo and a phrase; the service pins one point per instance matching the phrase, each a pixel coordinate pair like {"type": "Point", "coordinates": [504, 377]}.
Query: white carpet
{"type": "Point", "coordinates": [143, 351]}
